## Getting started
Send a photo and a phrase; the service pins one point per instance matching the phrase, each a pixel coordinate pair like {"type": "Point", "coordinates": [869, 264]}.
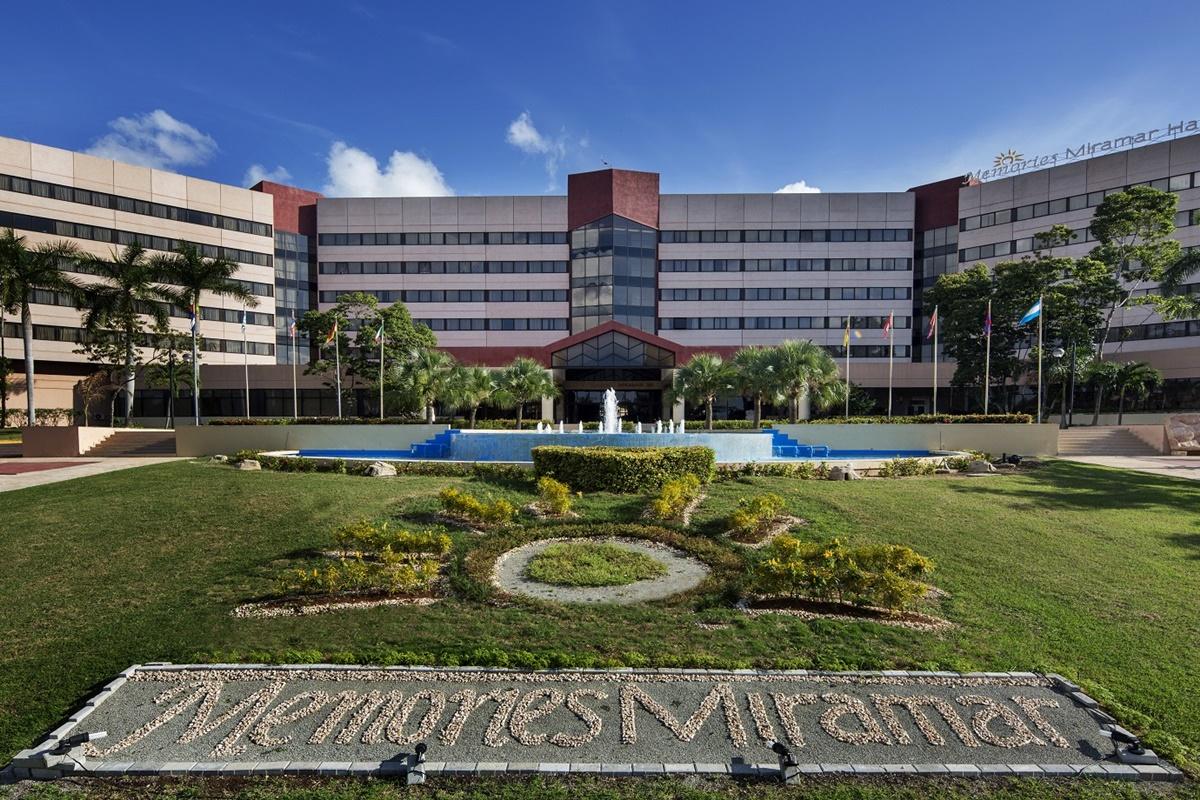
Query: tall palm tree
{"type": "Point", "coordinates": [471, 387]}
{"type": "Point", "coordinates": [754, 369]}
{"type": "Point", "coordinates": [130, 289]}
{"type": "Point", "coordinates": [428, 377]}
{"type": "Point", "coordinates": [188, 269]}
{"type": "Point", "coordinates": [804, 368]}
{"type": "Point", "coordinates": [702, 379]}
{"type": "Point", "coordinates": [23, 271]}
{"type": "Point", "coordinates": [1135, 378]}
{"type": "Point", "coordinates": [521, 382]}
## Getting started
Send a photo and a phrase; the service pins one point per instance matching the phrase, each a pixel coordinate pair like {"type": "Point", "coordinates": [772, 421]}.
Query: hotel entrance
{"type": "Point", "coordinates": [639, 405]}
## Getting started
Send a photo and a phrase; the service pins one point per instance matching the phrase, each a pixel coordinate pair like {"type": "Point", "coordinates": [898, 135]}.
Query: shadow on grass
{"type": "Point", "coordinates": [1186, 541]}
{"type": "Point", "coordinates": [1067, 485]}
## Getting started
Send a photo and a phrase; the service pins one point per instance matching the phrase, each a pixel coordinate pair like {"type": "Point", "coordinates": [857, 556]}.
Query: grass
{"type": "Point", "coordinates": [592, 564]}
{"type": "Point", "coordinates": [10, 435]}
{"type": "Point", "coordinates": [1091, 572]}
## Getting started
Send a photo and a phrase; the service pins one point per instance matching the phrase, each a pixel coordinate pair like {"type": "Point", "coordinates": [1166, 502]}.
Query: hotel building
{"type": "Point", "coordinates": [613, 284]}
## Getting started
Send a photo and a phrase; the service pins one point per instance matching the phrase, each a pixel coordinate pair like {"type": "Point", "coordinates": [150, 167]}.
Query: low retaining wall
{"type": "Point", "coordinates": [1024, 439]}
{"type": "Point", "coordinates": [211, 440]}
{"type": "Point", "coordinates": [51, 441]}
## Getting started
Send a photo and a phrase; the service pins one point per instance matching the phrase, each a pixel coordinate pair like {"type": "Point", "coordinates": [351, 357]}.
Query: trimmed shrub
{"type": "Point", "coordinates": [674, 498]}
{"type": "Point", "coordinates": [456, 503]}
{"type": "Point", "coordinates": [928, 419]}
{"type": "Point", "coordinates": [751, 521]}
{"type": "Point", "coordinates": [906, 468]}
{"type": "Point", "coordinates": [624, 470]}
{"type": "Point", "coordinates": [239, 421]}
{"type": "Point", "coordinates": [888, 576]}
{"type": "Point", "coordinates": [499, 472]}
{"type": "Point", "coordinates": [803, 470]}
{"type": "Point", "coordinates": [554, 497]}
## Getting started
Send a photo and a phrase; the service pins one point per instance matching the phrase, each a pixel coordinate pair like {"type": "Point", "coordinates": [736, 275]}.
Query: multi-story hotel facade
{"type": "Point", "coordinates": [613, 284]}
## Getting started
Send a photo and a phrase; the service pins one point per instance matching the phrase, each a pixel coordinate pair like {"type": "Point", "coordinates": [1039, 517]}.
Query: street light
{"type": "Point", "coordinates": [1058, 353]}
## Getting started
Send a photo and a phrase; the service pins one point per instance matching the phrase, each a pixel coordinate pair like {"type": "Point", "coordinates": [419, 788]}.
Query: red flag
{"type": "Point", "coordinates": [887, 326]}
{"type": "Point", "coordinates": [933, 320]}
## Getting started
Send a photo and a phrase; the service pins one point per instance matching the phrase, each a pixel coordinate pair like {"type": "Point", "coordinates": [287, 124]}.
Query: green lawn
{"type": "Point", "coordinates": [10, 435]}
{"type": "Point", "coordinates": [1090, 572]}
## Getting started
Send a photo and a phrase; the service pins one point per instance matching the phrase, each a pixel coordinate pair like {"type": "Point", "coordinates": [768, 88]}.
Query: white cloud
{"type": "Point", "coordinates": [799, 187]}
{"type": "Point", "coordinates": [156, 140]}
{"type": "Point", "coordinates": [524, 135]}
{"type": "Point", "coordinates": [356, 173]}
{"type": "Point", "coordinates": [257, 172]}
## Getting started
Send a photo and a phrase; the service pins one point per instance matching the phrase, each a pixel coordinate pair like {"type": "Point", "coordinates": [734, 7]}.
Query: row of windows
{"type": "Point", "coordinates": [1176, 183]}
{"type": "Point", "coordinates": [867, 351]}
{"type": "Point", "coordinates": [1156, 330]}
{"type": "Point", "coordinates": [504, 324]}
{"type": "Point", "coordinates": [441, 267]}
{"type": "Point", "coordinates": [48, 298]}
{"type": "Point", "coordinates": [95, 233]}
{"type": "Point", "coordinates": [57, 333]}
{"type": "Point", "coordinates": [790, 293]}
{"type": "Point", "coordinates": [455, 238]}
{"type": "Point", "coordinates": [786, 265]}
{"type": "Point", "coordinates": [453, 295]}
{"type": "Point", "coordinates": [784, 236]}
{"type": "Point", "coordinates": [69, 194]}
{"type": "Point", "coordinates": [1027, 244]}
{"type": "Point", "coordinates": [774, 323]}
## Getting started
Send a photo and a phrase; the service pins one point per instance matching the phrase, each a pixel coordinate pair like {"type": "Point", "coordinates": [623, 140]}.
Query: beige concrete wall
{"type": "Point", "coordinates": [1040, 440]}
{"type": "Point", "coordinates": [209, 440]}
{"type": "Point", "coordinates": [64, 440]}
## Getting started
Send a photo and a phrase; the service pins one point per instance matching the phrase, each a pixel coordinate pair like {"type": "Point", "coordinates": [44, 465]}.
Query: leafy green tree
{"type": "Point", "coordinates": [1062, 370]}
{"type": "Point", "coordinates": [427, 376]}
{"type": "Point", "coordinates": [1135, 378]}
{"type": "Point", "coordinates": [318, 325]}
{"type": "Point", "coordinates": [169, 366]}
{"type": "Point", "coordinates": [521, 382]}
{"type": "Point", "coordinates": [23, 271]}
{"type": "Point", "coordinates": [188, 269]}
{"type": "Point", "coordinates": [754, 375]}
{"type": "Point", "coordinates": [704, 378]}
{"type": "Point", "coordinates": [1101, 376]}
{"type": "Point", "coordinates": [807, 369]}
{"type": "Point", "coordinates": [129, 289]}
{"type": "Point", "coordinates": [469, 388]}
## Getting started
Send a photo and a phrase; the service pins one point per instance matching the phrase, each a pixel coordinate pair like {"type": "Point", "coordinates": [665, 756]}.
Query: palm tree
{"type": "Point", "coordinates": [1135, 378]}
{"type": "Point", "coordinates": [428, 377]}
{"type": "Point", "coordinates": [521, 382]}
{"type": "Point", "coordinates": [1101, 375]}
{"type": "Point", "coordinates": [701, 380]}
{"type": "Point", "coordinates": [23, 271]}
{"type": "Point", "coordinates": [130, 289]}
{"type": "Point", "coordinates": [471, 387]}
{"type": "Point", "coordinates": [804, 368]}
{"type": "Point", "coordinates": [193, 273]}
{"type": "Point", "coordinates": [755, 376]}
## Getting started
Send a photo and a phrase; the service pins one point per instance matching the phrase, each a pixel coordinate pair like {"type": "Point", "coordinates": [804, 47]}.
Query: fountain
{"type": "Point", "coordinates": [638, 427]}
{"type": "Point", "coordinates": [682, 423]}
{"type": "Point", "coordinates": [670, 426]}
{"type": "Point", "coordinates": [610, 420]}
{"type": "Point", "coordinates": [658, 426]}
{"type": "Point", "coordinates": [560, 426]}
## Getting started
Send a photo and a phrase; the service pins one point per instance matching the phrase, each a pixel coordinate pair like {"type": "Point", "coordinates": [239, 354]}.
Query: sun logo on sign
{"type": "Point", "coordinates": [1007, 159]}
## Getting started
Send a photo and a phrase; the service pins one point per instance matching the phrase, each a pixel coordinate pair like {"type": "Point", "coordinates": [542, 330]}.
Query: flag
{"type": "Point", "coordinates": [846, 335]}
{"type": "Point", "coordinates": [987, 321]}
{"type": "Point", "coordinates": [1033, 313]}
{"type": "Point", "coordinates": [243, 320]}
{"type": "Point", "coordinates": [332, 334]}
{"type": "Point", "coordinates": [292, 327]}
{"type": "Point", "coordinates": [933, 320]}
{"type": "Point", "coordinates": [379, 334]}
{"type": "Point", "coordinates": [192, 316]}
{"type": "Point", "coordinates": [887, 325]}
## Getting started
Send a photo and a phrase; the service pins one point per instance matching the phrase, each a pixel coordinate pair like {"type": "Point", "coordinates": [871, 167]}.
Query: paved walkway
{"type": "Point", "coordinates": [1172, 466]}
{"type": "Point", "coordinates": [65, 469]}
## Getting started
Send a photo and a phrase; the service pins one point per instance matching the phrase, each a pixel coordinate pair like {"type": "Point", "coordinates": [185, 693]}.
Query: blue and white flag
{"type": "Point", "coordinates": [1033, 313]}
{"type": "Point", "coordinates": [243, 320]}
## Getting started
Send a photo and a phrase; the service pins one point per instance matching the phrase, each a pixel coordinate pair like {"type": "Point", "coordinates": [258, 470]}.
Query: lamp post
{"type": "Point", "coordinates": [1058, 353]}
{"type": "Point", "coordinates": [1071, 401]}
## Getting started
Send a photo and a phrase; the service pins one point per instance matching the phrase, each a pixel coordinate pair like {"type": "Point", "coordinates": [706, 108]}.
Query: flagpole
{"type": "Point", "coordinates": [381, 342]}
{"type": "Point", "coordinates": [246, 361]}
{"type": "Point", "coordinates": [337, 368]}
{"type": "Point", "coordinates": [295, 358]}
{"type": "Point", "coordinates": [1041, 314]}
{"type": "Point", "coordinates": [891, 355]}
{"type": "Point", "coordinates": [846, 339]}
{"type": "Point", "coordinates": [935, 358]}
{"type": "Point", "coordinates": [987, 360]}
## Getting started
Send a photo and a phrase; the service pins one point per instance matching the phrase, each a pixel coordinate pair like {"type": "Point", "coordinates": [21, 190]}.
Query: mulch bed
{"type": "Point", "coordinates": [806, 608]}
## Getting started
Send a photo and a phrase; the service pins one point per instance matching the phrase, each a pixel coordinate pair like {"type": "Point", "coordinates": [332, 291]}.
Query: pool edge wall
{"type": "Point", "coordinates": [1023, 438]}
{"type": "Point", "coordinates": [211, 440]}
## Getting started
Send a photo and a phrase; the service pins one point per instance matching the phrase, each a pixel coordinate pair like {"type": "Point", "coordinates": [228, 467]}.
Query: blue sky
{"type": "Point", "coordinates": [497, 98]}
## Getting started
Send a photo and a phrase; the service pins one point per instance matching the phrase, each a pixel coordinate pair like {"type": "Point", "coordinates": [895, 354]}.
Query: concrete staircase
{"type": "Point", "coordinates": [135, 444]}
{"type": "Point", "coordinates": [1102, 441]}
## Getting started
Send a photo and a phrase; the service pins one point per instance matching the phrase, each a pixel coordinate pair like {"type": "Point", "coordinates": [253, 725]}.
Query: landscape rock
{"type": "Point", "coordinates": [219, 459]}
{"type": "Point", "coordinates": [979, 468]}
{"type": "Point", "coordinates": [1183, 432]}
{"type": "Point", "coordinates": [846, 473]}
{"type": "Point", "coordinates": [249, 465]}
{"type": "Point", "coordinates": [381, 469]}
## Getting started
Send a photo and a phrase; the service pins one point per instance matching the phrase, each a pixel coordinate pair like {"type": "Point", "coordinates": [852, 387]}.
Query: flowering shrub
{"type": "Point", "coordinates": [888, 576]}
{"type": "Point", "coordinates": [365, 536]}
{"type": "Point", "coordinates": [554, 497]}
{"type": "Point", "coordinates": [752, 520]}
{"type": "Point", "coordinates": [906, 467]}
{"type": "Point", "coordinates": [456, 503]}
{"type": "Point", "coordinates": [674, 498]}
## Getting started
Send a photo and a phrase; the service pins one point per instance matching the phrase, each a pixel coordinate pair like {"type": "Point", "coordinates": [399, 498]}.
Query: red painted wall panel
{"type": "Point", "coordinates": [627, 193]}
{"type": "Point", "coordinates": [295, 209]}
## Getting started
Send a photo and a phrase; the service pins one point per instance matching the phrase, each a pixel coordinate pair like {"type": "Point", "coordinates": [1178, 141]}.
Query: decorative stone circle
{"type": "Point", "coordinates": [683, 573]}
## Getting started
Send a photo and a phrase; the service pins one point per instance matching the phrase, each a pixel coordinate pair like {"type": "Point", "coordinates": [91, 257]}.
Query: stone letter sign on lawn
{"type": "Point", "coordinates": [332, 719]}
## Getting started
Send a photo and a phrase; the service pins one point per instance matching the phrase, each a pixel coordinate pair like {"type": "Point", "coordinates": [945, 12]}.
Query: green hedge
{"type": "Point", "coordinates": [341, 466]}
{"type": "Point", "coordinates": [317, 421]}
{"type": "Point", "coordinates": [624, 470]}
{"type": "Point", "coordinates": [927, 419]}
